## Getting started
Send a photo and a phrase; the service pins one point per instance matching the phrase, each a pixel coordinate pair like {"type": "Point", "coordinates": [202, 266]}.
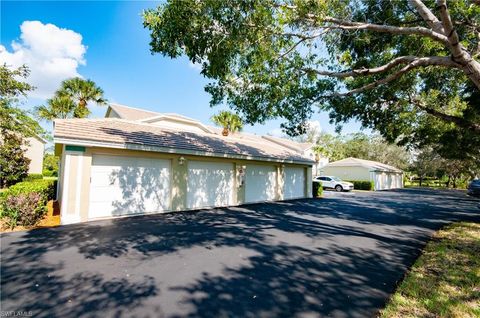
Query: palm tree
{"type": "Point", "coordinates": [230, 122]}
{"type": "Point", "coordinates": [71, 100]}
{"type": "Point", "coordinates": [82, 91]}
{"type": "Point", "coordinates": [57, 107]}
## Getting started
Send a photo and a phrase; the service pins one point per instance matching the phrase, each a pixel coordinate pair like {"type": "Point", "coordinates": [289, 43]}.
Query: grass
{"type": "Point", "coordinates": [445, 280]}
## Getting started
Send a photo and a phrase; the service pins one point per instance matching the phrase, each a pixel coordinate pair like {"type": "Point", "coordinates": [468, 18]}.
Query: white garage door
{"type": "Point", "coordinates": [294, 183]}
{"type": "Point", "coordinates": [260, 183]}
{"type": "Point", "coordinates": [128, 185]}
{"type": "Point", "coordinates": [209, 184]}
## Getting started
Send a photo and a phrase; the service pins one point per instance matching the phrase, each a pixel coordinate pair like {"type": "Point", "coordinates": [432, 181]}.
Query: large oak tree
{"type": "Point", "coordinates": [408, 69]}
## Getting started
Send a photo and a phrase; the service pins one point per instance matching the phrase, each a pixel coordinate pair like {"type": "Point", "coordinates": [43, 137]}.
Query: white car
{"type": "Point", "coordinates": [331, 182]}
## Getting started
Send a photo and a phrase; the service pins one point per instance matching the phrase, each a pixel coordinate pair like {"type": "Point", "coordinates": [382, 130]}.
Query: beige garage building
{"type": "Point", "coordinates": [136, 162]}
{"type": "Point", "coordinates": [383, 176]}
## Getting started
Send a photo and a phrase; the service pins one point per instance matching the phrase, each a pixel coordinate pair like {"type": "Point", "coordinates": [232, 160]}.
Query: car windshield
{"type": "Point", "coordinates": [337, 179]}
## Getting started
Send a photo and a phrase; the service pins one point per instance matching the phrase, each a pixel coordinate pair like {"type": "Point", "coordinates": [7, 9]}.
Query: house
{"type": "Point", "coordinates": [135, 161]}
{"type": "Point", "coordinates": [383, 176]}
{"type": "Point", "coordinates": [35, 150]}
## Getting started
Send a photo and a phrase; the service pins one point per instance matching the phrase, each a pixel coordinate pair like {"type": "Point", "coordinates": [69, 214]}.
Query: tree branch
{"type": "Point", "coordinates": [424, 61]}
{"type": "Point", "coordinates": [459, 121]}
{"type": "Point", "coordinates": [459, 53]}
{"type": "Point", "coordinates": [350, 25]}
{"type": "Point", "coordinates": [428, 16]}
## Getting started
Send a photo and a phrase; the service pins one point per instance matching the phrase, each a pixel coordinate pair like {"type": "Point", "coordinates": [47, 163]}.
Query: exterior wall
{"type": "Point", "coordinates": [347, 173]}
{"type": "Point", "coordinates": [308, 180]}
{"type": "Point", "coordinates": [74, 181]}
{"type": "Point", "coordinates": [34, 152]}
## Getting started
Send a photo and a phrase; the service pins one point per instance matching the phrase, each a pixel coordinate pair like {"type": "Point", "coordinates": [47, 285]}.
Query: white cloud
{"type": "Point", "coordinates": [51, 53]}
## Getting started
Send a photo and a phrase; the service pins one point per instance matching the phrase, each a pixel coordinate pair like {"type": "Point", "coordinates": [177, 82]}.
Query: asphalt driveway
{"type": "Point", "coordinates": [340, 256]}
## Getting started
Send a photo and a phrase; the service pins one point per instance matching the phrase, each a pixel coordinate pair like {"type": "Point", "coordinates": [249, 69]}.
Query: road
{"type": "Point", "coordinates": [339, 256]}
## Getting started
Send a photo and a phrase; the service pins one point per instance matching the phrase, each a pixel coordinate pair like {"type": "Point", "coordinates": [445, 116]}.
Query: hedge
{"type": "Point", "coordinates": [317, 189]}
{"type": "Point", "coordinates": [33, 176]}
{"type": "Point", "coordinates": [362, 185]}
{"type": "Point", "coordinates": [50, 173]}
{"type": "Point", "coordinates": [25, 203]}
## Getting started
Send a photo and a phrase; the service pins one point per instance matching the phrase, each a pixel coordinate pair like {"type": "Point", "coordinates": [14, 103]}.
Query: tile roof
{"type": "Point", "coordinates": [123, 132]}
{"type": "Point", "coordinates": [374, 165]}
{"type": "Point", "coordinates": [299, 146]}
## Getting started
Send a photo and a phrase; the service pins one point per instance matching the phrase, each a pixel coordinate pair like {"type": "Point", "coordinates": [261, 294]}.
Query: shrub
{"type": "Point", "coordinates": [24, 209]}
{"type": "Point", "coordinates": [34, 176]}
{"type": "Point", "coordinates": [317, 189]}
{"type": "Point", "coordinates": [13, 163]}
{"type": "Point", "coordinates": [362, 185]}
{"type": "Point", "coordinates": [50, 173]}
{"type": "Point", "coordinates": [25, 202]}
{"type": "Point", "coordinates": [46, 188]}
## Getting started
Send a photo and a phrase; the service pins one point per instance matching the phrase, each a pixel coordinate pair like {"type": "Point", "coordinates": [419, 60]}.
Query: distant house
{"type": "Point", "coordinates": [384, 176]}
{"type": "Point", "coordinates": [35, 151]}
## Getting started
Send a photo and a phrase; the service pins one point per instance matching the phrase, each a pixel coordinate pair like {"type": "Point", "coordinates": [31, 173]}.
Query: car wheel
{"type": "Point", "coordinates": [338, 188]}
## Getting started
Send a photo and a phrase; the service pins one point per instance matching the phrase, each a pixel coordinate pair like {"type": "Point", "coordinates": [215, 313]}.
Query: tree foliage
{"type": "Point", "coordinates": [408, 69]}
{"type": "Point", "coordinates": [428, 163]}
{"type": "Point", "coordinates": [50, 165]}
{"type": "Point", "coordinates": [12, 118]}
{"type": "Point", "coordinates": [362, 146]}
{"type": "Point", "coordinates": [71, 100]}
{"type": "Point", "coordinates": [230, 122]}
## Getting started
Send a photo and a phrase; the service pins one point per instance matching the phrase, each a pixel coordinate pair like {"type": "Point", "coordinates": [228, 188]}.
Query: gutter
{"type": "Point", "coordinates": [131, 146]}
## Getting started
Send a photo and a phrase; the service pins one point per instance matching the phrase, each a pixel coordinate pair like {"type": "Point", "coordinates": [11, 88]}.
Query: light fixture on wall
{"type": "Point", "coordinates": [181, 161]}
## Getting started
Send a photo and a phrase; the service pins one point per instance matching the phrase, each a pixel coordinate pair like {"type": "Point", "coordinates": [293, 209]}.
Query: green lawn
{"type": "Point", "coordinates": [445, 280]}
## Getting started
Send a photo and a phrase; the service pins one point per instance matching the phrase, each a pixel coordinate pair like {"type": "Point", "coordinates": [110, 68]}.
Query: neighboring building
{"type": "Point", "coordinates": [35, 151]}
{"type": "Point", "coordinates": [384, 176]}
{"type": "Point", "coordinates": [136, 161]}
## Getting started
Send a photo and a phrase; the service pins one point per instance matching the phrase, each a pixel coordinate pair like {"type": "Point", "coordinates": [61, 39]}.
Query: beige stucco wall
{"type": "Point", "coordinates": [34, 151]}
{"type": "Point", "coordinates": [347, 173]}
{"type": "Point", "coordinates": [75, 181]}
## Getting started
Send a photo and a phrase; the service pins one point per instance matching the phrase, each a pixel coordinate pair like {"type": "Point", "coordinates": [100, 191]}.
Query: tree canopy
{"type": "Point", "coordinates": [408, 69]}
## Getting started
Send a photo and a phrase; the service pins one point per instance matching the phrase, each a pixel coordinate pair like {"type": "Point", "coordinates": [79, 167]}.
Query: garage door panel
{"type": "Point", "coordinates": [294, 183]}
{"type": "Point", "coordinates": [209, 184]}
{"type": "Point", "coordinates": [260, 183]}
{"type": "Point", "coordinates": [128, 185]}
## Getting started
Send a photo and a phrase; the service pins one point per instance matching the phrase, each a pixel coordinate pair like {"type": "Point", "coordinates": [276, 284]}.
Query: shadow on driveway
{"type": "Point", "coordinates": [340, 256]}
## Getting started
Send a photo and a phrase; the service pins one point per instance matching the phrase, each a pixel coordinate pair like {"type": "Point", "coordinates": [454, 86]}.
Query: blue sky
{"type": "Point", "coordinates": [116, 56]}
